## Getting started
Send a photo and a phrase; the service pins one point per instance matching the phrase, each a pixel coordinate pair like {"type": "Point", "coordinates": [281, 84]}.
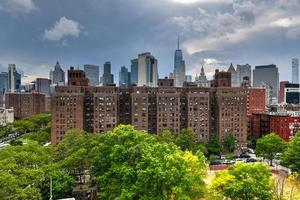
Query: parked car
{"type": "Point", "coordinates": [216, 162]}
{"type": "Point", "coordinates": [251, 160]}
{"type": "Point", "coordinates": [243, 155]}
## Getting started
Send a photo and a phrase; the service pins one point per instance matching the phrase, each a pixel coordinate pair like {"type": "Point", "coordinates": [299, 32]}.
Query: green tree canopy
{"type": "Point", "coordinates": [291, 156]}
{"type": "Point", "coordinates": [229, 143]}
{"type": "Point", "coordinates": [269, 145]}
{"type": "Point", "coordinates": [131, 164]}
{"type": "Point", "coordinates": [213, 146]}
{"type": "Point", "coordinates": [244, 182]}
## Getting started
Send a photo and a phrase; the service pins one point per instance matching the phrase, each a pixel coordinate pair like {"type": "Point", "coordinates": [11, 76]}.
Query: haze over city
{"type": "Point", "coordinates": [35, 34]}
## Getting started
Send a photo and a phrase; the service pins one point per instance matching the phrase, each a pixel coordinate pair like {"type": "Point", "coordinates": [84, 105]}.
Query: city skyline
{"type": "Point", "coordinates": [213, 33]}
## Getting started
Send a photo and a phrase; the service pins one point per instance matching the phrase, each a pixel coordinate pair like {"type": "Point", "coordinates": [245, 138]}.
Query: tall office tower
{"type": "Point", "coordinates": [233, 76]}
{"type": "Point", "coordinates": [147, 70]}
{"type": "Point", "coordinates": [295, 70]}
{"type": "Point", "coordinates": [57, 76]}
{"type": "Point", "coordinates": [43, 86]}
{"type": "Point", "coordinates": [179, 67]}
{"type": "Point", "coordinates": [3, 82]}
{"type": "Point", "coordinates": [107, 77]}
{"type": "Point", "coordinates": [201, 79]}
{"type": "Point", "coordinates": [134, 71]}
{"type": "Point", "coordinates": [267, 75]}
{"type": "Point", "coordinates": [92, 73]}
{"type": "Point", "coordinates": [242, 72]}
{"type": "Point", "coordinates": [221, 79]}
{"type": "Point", "coordinates": [25, 104]}
{"type": "Point", "coordinates": [76, 77]}
{"type": "Point", "coordinates": [124, 77]}
{"type": "Point", "coordinates": [14, 79]}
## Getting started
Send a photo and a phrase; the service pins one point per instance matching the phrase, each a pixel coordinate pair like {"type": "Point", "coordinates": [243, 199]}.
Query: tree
{"type": "Point", "coordinates": [291, 157]}
{"type": "Point", "coordinates": [268, 146]}
{"type": "Point", "coordinates": [186, 140]}
{"type": "Point", "coordinates": [229, 143]}
{"type": "Point", "coordinates": [166, 136]}
{"type": "Point", "coordinates": [213, 146]}
{"type": "Point", "coordinates": [21, 170]}
{"type": "Point", "coordinates": [244, 182]}
{"type": "Point", "coordinates": [131, 164]}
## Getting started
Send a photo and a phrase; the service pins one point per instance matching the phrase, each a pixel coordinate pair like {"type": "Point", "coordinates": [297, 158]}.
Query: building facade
{"type": "Point", "coordinates": [57, 76]}
{"type": "Point", "coordinates": [147, 70]}
{"type": "Point", "coordinates": [108, 77]}
{"type": "Point", "coordinates": [242, 72]}
{"type": "Point", "coordinates": [92, 73]}
{"type": "Point", "coordinates": [234, 81]}
{"type": "Point", "coordinates": [43, 86]}
{"type": "Point", "coordinates": [14, 79]}
{"type": "Point", "coordinates": [268, 75]}
{"type": "Point", "coordinates": [201, 80]}
{"type": "Point", "coordinates": [25, 104]}
{"type": "Point", "coordinates": [179, 67]}
{"type": "Point", "coordinates": [221, 79]}
{"type": "Point", "coordinates": [6, 116]}
{"type": "Point", "coordinates": [3, 82]}
{"type": "Point", "coordinates": [76, 77]}
{"type": "Point", "coordinates": [124, 77]}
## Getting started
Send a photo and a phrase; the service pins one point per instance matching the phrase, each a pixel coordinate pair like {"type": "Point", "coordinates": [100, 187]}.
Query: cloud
{"type": "Point", "coordinates": [18, 6]}
{"type": "Point", "coordinates": [201, 1]}
{"type": "Point", "coordinates": [63, 27]}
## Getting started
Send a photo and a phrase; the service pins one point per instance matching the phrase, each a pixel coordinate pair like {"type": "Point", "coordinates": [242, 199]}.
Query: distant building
{"type": "Point", "coordinates": [57, 76]}
{"type": "Point", "coordinates": [108, 77]}
{"type": "Point", "coordinates": [124, 77]}
{"type": "Point", "coordinates": [147, 70]}
{"type": "Point", "coordinates": [243, 71]}
{"type": "Point", "coordinates": [291, 94]}
{"type": "Point", "coordinates": [268, 75]}
{"type": "Point", "coordinates": [6, 116]}
{"type": "Point", "coordinates": [179, 67]}
{"type": "Point", "coordinates": [76, 77]}
{"type": "Point", "coordinates": [295, 70]}
{"type": "Point", "coordinates": [25, 104]}
{"type": "Point", "coordinates": [233, 76]}
{"type": "Point", "coordinates": [188, 78]}
{"type": "Point", "coordinates": [166, 82]}
{"type": "Point", "coordinates": [92, 73]}
{"type": "Point", "coordinates": [3, 82]}
{"type": "Point", "coordinates": [221, 79]}
{"type": "Point", "coordinates": [134, 71]}
{"type": "Point", "coordinates": [14, 79]}
{"type": "Point", "coordinates": [201, 79]}
{"type": "Point", "coordinates": [43, 86]}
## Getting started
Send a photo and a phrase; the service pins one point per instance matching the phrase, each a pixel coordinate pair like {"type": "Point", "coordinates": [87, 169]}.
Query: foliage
{"type": "Point", "coordinates": [244, 182]}
{"type": "Point", "coordinates": [229, 156]}
{"type": "Point", "coordinates": [269, 145]}
{"type": "Point", "coordinates": [42, 137]}
{"type": "Point", "coordinates": [251, 142]}
{"type": "Point", "coordinates": [128, 162]}
{"type": "Point", "coordinates": [21, 171]}
{"type": "Point", "coordinates": [213, 158]}
{"type": "Point", "coordinates": [166, 136]}
{"type": "Point", "coordinates": [291, 157]}
{"type": "Point", "coordinates": [229, 143]}
{"type": "Point", "coordinates": [213, 146]}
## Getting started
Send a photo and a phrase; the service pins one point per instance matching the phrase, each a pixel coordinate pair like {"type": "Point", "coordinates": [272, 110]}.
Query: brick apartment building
{"type": "Point", "coordinates": [25, 104]}
{"type": "Point", "coordinates": [218, 110]}
{"type": "Point", "coordinates": [285, 125]}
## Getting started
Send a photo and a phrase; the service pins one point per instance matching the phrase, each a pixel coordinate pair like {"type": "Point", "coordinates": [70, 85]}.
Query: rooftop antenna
{"type": "Point", "coordinates": [178, 42]}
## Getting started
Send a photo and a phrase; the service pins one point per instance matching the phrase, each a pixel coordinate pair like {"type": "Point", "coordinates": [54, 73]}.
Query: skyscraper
{"type": "Point", "coordinates": [107, 77]}
{"type": "Point", "coordinates": [147, 70]}
{"type": "Point", "coordinates": [201, 80]}
{"type": "Point", "coordinates": [295, 70]}
{"type": "Point", "coordinates": [267, 75]}
{"type": "Point", "coordinates": [3, 82]}
{"type": "Point", "coordinates": [14, 79]}
{"type": "Point", "coordinates": [57, 76]}
{"type": "Point", "coordinates": [179, 67]}
{"type": "Point", "coordinates": [242, 72]}
{"type": "Point", "coordinates": [124, 77]}
{"type": "Point", "coordinates": [92, 73]}
{"type": "Point", "coordinates": [134, 71]}
{"type": "Point", "coordinates": [43, 86]}
{"type": "Point", "coordinates": [233, 76]}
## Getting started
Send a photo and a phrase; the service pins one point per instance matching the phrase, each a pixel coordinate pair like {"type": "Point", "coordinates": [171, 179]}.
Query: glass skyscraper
{"type": "Point", "coordinates": [3, 82]}
{"type": "Point", "coordinates": [134, 71]}
{"type": "Point", "coordinates": [179, 67]}
{"type": "Point", "coordinates": [124, 77]}
{"type": "Point", "coordinates": [92, 73]}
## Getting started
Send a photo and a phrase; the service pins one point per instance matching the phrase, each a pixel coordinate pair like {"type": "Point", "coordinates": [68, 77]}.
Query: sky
{"type": "Point", "coordinates": [34, 34]}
